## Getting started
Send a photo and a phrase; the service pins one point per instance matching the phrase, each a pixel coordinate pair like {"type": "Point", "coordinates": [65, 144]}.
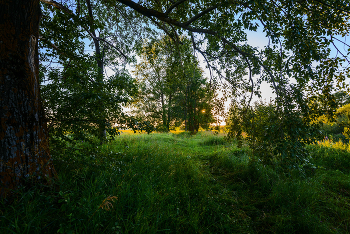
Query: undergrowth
{"type": "Point", "coordinates": [168, 183]}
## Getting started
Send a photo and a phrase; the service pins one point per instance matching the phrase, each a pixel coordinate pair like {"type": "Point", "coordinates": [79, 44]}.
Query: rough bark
{"type": "Point", "coordinates": [24, 146]}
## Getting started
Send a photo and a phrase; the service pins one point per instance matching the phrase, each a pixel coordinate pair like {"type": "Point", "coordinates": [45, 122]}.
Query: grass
{"type": "Point", "coordinates": [177, 183]}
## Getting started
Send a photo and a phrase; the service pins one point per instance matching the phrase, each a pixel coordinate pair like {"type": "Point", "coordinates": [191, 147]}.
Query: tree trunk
{"type": "Point", "coordinates": [24, 147]}
{"type": "Point", "coordinates": [169, 113]}
{"type": "Point", "coordinates": [186, 107]}
{"type": "Point", "coordinates": [164, 117]}
{"type": "Point", "coordinates": [100, 76]}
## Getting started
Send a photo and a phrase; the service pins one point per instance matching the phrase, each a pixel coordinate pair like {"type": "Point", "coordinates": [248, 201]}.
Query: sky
{"type": "Point", "coordinates": [258, 39]}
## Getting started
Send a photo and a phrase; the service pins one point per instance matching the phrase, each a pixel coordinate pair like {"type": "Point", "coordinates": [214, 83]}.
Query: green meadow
{"type": "Point", "coordinates": [179, 183]}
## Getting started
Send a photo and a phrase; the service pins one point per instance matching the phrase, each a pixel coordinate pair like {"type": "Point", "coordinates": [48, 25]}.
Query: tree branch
{"type": "Point", "coordinates": [65, 9]}
{"type": "Point", "coordinates": [334, 38]}
{"type": "Point", "coordinates": [338, 51]}
{"type": "Point", "coordinates": [51, 44]}
{"type": "Point", "coordinates": [194, 18]}
{"type": "Point", "coordinates": [333, 7]}
{"type": "Point", "coordinates": [57, 5]}
{"type": "Point", "coordinates": [257, 59]}
{"type": "Point", "coordinates": [163, 17]}
{"type": "Point", "coordinates": [173, 6]}
{"type": "Point", "coordinates": [204, 56]}
{"type": "Point", "coordinates": [164, 29]}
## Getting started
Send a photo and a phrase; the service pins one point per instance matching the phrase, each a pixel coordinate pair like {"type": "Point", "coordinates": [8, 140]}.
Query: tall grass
{"type": "Point", "coordinates": [169, 183]}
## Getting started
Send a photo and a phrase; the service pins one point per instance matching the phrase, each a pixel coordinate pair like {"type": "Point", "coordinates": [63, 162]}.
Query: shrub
{"type": "Point", "coordinates": [276, 134]}
{"type": "Point", "coordinates": [331, 155]}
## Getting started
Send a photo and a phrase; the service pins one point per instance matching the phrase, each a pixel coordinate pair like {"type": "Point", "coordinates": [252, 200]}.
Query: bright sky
{"type": "Point", "coordinates": [258, 39]}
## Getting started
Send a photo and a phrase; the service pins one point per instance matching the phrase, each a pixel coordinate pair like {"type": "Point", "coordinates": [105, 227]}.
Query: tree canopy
{"type": "Point", "coordinates": [80, 94]}
{"type": "Point", "coordinates": [301, 36]}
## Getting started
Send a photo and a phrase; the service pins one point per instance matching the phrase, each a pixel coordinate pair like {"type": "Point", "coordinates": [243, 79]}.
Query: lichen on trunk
{"type": "Point", "coordinates": [24, 146]}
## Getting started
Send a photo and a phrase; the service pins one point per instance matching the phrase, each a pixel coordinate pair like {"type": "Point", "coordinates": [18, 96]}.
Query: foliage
{"type": "Point", "coordinates": [234, 123]}
{"type": "Point", "coordinates": [344, 119]}
{"type": "Point", "coordinates": [79, 97]}
{"type": "Point", "coordinates": [275, 134]}
{"type": "Point", "coordinates": [73, 106]}
{"type": "Point", "coordinates": [139, 125]}
{"type": "Point", "coordinates": [331, 128]}
{"type": "Point", "coordinates": [299, 34]}
{"type": "Point", "coordinates": [330, 154]}
{"type": "Point", "coordinates": [172, 89]}
{"type": "Point", "coordinates": [336, 126]}
{"type": "Point", "coordinates": [342, 98]}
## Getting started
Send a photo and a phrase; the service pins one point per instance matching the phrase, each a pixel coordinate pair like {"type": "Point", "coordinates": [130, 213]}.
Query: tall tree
{"type": "Point", "coordinates": [81, 97]}
{"type": "Point", "coordinates": [173, 89]}
{"type": "Point", "coordinates": [24, 146]}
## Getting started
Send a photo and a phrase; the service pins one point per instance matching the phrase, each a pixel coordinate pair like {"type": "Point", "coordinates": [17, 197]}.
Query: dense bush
{"type": "Point", "coordinates": [276, 134]}
{"type": "Point", "coordinates": [329, 155]}
{"type": "Point", "coordinates": [332, 129]}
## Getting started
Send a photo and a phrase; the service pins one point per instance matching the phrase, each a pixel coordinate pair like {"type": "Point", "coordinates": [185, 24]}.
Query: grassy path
{"type": "Point", "coordinates": [166, 183]}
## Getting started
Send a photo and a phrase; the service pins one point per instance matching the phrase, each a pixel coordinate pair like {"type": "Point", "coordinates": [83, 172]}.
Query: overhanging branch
{"type": "Point", "coordinates": [75, 18]}
{"type": "Point", "coordinates": [164, 17]}
{"type": "Point", "coordinates": [194, 18]}
{"type": "Point", "coordinates": [57, 5]}
{"type": "Point", "coordinates": [173, 6]}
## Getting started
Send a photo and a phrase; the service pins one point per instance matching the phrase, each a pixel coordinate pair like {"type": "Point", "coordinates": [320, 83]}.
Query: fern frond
{"type": "Point", "coordinates": [106, 204]}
